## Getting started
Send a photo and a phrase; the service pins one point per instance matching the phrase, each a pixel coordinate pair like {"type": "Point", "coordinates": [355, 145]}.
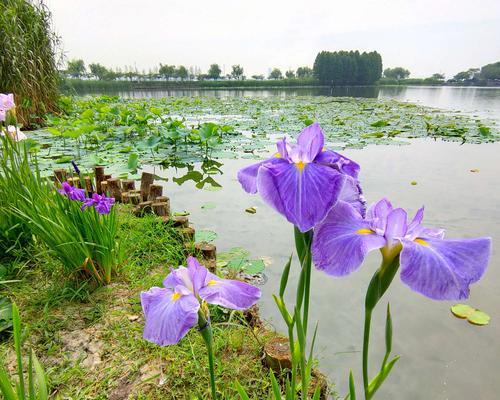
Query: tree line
{"type": "Point", "coordinates": [77, 69]}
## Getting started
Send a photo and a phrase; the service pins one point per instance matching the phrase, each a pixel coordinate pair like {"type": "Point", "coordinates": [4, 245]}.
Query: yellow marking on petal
{"type": "Point", "coordinates": [277, 155]}
{"type": "Point", "coordinates": [300, 165]}
{"type": "Point", "coordinates": [365, 231]}
{"type": "Point", "coordinates": [176, 296]}
{"type": "Point", "coordinates": [323, 149]}
{"type": "Point", "coordinates": [421, 242]}
{"type": "Point", "coordinates": [212, 282]}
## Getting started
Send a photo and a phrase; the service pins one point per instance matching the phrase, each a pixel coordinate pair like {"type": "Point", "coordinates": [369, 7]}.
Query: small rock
{"type": "Point", "coordinates": [132, 318]}
{"type": "Point", "coordinates": [474, 170]}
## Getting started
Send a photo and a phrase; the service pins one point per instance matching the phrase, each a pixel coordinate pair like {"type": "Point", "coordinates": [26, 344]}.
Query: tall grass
{"type": "Point", "coordinates": [83, 240]}
{"type": "Point", "coordinates": [28, 59]}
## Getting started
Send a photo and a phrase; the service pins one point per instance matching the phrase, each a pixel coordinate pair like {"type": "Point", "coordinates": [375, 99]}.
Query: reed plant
{"type": "Point", "coordinates": [28, 59]}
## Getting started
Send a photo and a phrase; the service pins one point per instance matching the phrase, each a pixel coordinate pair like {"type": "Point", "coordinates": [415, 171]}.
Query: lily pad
{"type": "Point", "coordinates": [205, 236]}
{"type": "Point", "coordinates": [251, 210]}
{"type": "Point", "coordinates": [254, 267]}
{"type": "Point", "coordinates": [208, 206]}
{"type": "Point", "coordinates": [473, 315]}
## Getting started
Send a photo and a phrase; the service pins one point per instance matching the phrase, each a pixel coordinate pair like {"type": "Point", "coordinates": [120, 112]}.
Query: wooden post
{"type": "Point", "coordinates": [154, 192]}
{"type": "Point", "coordinates": [134, 198]}
{"type": "Point", "coordinates": [162, 199]}
{"type": "Point", "coordinates": [188, 234]}
{"type": "Point", "coordinates": [180, 221]}
{"type": "Point", "coordinates": [60, 175]}
{"type": "Point", "coordinates": [114, 188]}
{"type": "Point", "coordinates": [147, 180]}
{"type": "Point", "coordinates": [124, 196]}
{"type": "Point", "coordinates": [107, 176]}
{"type": "Point", "coordinates": [277, 354]}
{"type": "Point", "coordinates": [99, 177]}
{"type": "Point", "coordinates": [128, 185]}
{"type": "Point", "coordinates": [144, 207]}
{"type": "Point", "coordinates": [104, 188]}
{"type": "Point", "coordinates": [160, 209]}
{"type": "Point", "coordinates": [208, 252]}
{"type": "Point", "coordinates": [88, 185]}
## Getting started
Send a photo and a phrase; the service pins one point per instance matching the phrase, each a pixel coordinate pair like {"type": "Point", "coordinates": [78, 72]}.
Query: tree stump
{"type": "Point", "coordinates": [277, 354]}
{"type": "Point", "coordinates": [134, 198]}
{"type": "Point", "coordinates": [60, 175]}
{"type": "Point", "coordinates": [107, 176]}
{"type": "Point", "coordinates": [99, 177]}
{"type": "Point", "coordinates": [154, 192]}
{"type": "Point", "coordinates": [144, 207]}
{"type": "Point", "coordinates": [162, 199]}
{"type": "Point", "coordinates": [161, 209]}
{"type": "Point", "coordinates": [180, 221]}
{"type": "Point", "coordinates": [114, 188]}
{"type": "Point", "coordinates": [187, 234]}
{"type": "Point", "coordinates": [208, 252]}
{"type": "Point", "coordinates": [88, 186]}
{"type": "Point", "coordinates": [124, 197]}
{"type": "Point", "coordinates": [147, 180]}
{"type": "Point", "coordinates": [128, 185]}
{"type": "Point", "coordinates": [104, 188]}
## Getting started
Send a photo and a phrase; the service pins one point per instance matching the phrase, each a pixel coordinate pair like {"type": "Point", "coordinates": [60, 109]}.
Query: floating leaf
{"type": "Point", "coordinates": [473, 315]}
{"type": "Point", "coordinates": [254, 267]}
{"type": "Point", "coordinates": [251, 210]}
{"type": "Point", "coordinates": [413, 183]}
{"type": "Point", "coordinates": [474, 170]}
{"type": "Point", "coordinates": [205, 236]}
{"type": "Point", "coordinates": [133, 160]}
{"type": "Point", "coordinates": [208, 206]}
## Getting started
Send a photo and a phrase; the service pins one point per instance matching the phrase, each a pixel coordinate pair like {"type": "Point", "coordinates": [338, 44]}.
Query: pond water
{"type": "Point", "coordinates": [442, 357]}
{"type": "Point", "coordinates": [481, 101]}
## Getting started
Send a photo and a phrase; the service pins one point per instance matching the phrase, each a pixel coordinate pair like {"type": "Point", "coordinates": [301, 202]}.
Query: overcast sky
{"type": "Point", "coordinates": [425, 36]}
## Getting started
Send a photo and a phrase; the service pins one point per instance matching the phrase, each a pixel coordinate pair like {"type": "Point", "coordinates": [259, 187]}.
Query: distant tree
{"type": "Point", "coordinates": [491, 71]}
{"type": "Point", "coordinates": [76, 68]}
{"type": "Point", "coordinates": [396, 73]}
{"type": "Point", "coordinates": [348, 67]}
{"type": "Point", "coordinates": [98, 70]}
{"type": "Point", "coordinates": [304, 72]}
{"type": "Point", "coordinates": [468, 75]}
{"type": "Point", "coordinates": [214, 71]}
{"type": "Point", "coordinates": [275, 74]}
{"type": "Point", "coordinates": [437, 77]}
{"type": "Point", "coordinates": [167, 71]}
{"type": "Point", "coordinates": [258, 77]}
{"type": "Point", "coordinates": [237, 71]}
{"type": "Point", "coordinates": [290, 74]}
{"type": "Point", "coordinates": [181, 72]}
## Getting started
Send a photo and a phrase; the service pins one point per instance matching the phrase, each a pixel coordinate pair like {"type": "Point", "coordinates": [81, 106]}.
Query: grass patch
{"type": "Point", "coordinates": [90, 339]}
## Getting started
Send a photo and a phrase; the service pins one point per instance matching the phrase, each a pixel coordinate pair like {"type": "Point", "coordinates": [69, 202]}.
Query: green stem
{"type": "Point", "coordinates": [366, 343]}
{"type": "Point", "coordinates": [379, 284]}
{"type": "Point", "coordinates": [206, 332]}
{"type": "Point", "coordinates": [303, 242]}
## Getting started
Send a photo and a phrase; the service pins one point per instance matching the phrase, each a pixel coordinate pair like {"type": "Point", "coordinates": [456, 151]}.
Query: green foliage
{"type": "Point", "coordinates": [167, 71]}
{"type": "Point", "coordinates": [28, 59]}
{"type": "Point", "coordinates": [98, 70]}
{"type": "Point", "coordinates": [214, 71]}
{"type": "Point", "coordinates": [237, 72]}
{"type": "Point", "coordinates": [473, 315]}
{"type": "Point", "coordinates": [37, 382]}
{"type": "Point", "coordinates": [276, 74]}
{"type": "Point", "coordinates": [76, 68]}
{"type": "Point", "coordinates": [304, 72]}
{"type": "Point", "coordinates": [396, 73]}
{"type": "Point", "coordinates": [348, 67]}
{"type": "Point", "coordinates": [491, 71]}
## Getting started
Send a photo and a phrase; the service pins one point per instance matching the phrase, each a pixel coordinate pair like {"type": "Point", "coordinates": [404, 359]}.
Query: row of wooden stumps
{"type": "Point", "coordinates": [148, 199]}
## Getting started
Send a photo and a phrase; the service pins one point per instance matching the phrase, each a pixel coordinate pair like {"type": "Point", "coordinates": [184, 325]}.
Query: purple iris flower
{"type": "Point", "coordinates": [172, 310]}
{"type": "Point", "coordinates": [303, 181]}
{"type": "Point", "coordinates": [102, 204]}
{"type": "Point", "coordinates": [437, 268]}
{"type": "Point", "coordinates": [71, 192]}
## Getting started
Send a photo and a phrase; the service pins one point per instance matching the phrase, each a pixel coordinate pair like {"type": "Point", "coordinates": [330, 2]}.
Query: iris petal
{"type": "Point", "coordinates": [336, 160]}
{"type": "Point", "coordinates": [169, 315]}
{"type": "Point", "coordinates": [229, 293]}
{"type": "Point", "coordinates": [303, 195]}
{"type": "Point", "coordinates": [310, 142]}
{"type": "Point", "coordinates": [342, 240]}
{"type": "Point", "coordinates": [444, 269]}
{"type": "Point", "coordinates": [248, 176]}
{"type": "Point", "coordinates": [197, 273]}
{"type": "Point", "coordinates": [396, 225]}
